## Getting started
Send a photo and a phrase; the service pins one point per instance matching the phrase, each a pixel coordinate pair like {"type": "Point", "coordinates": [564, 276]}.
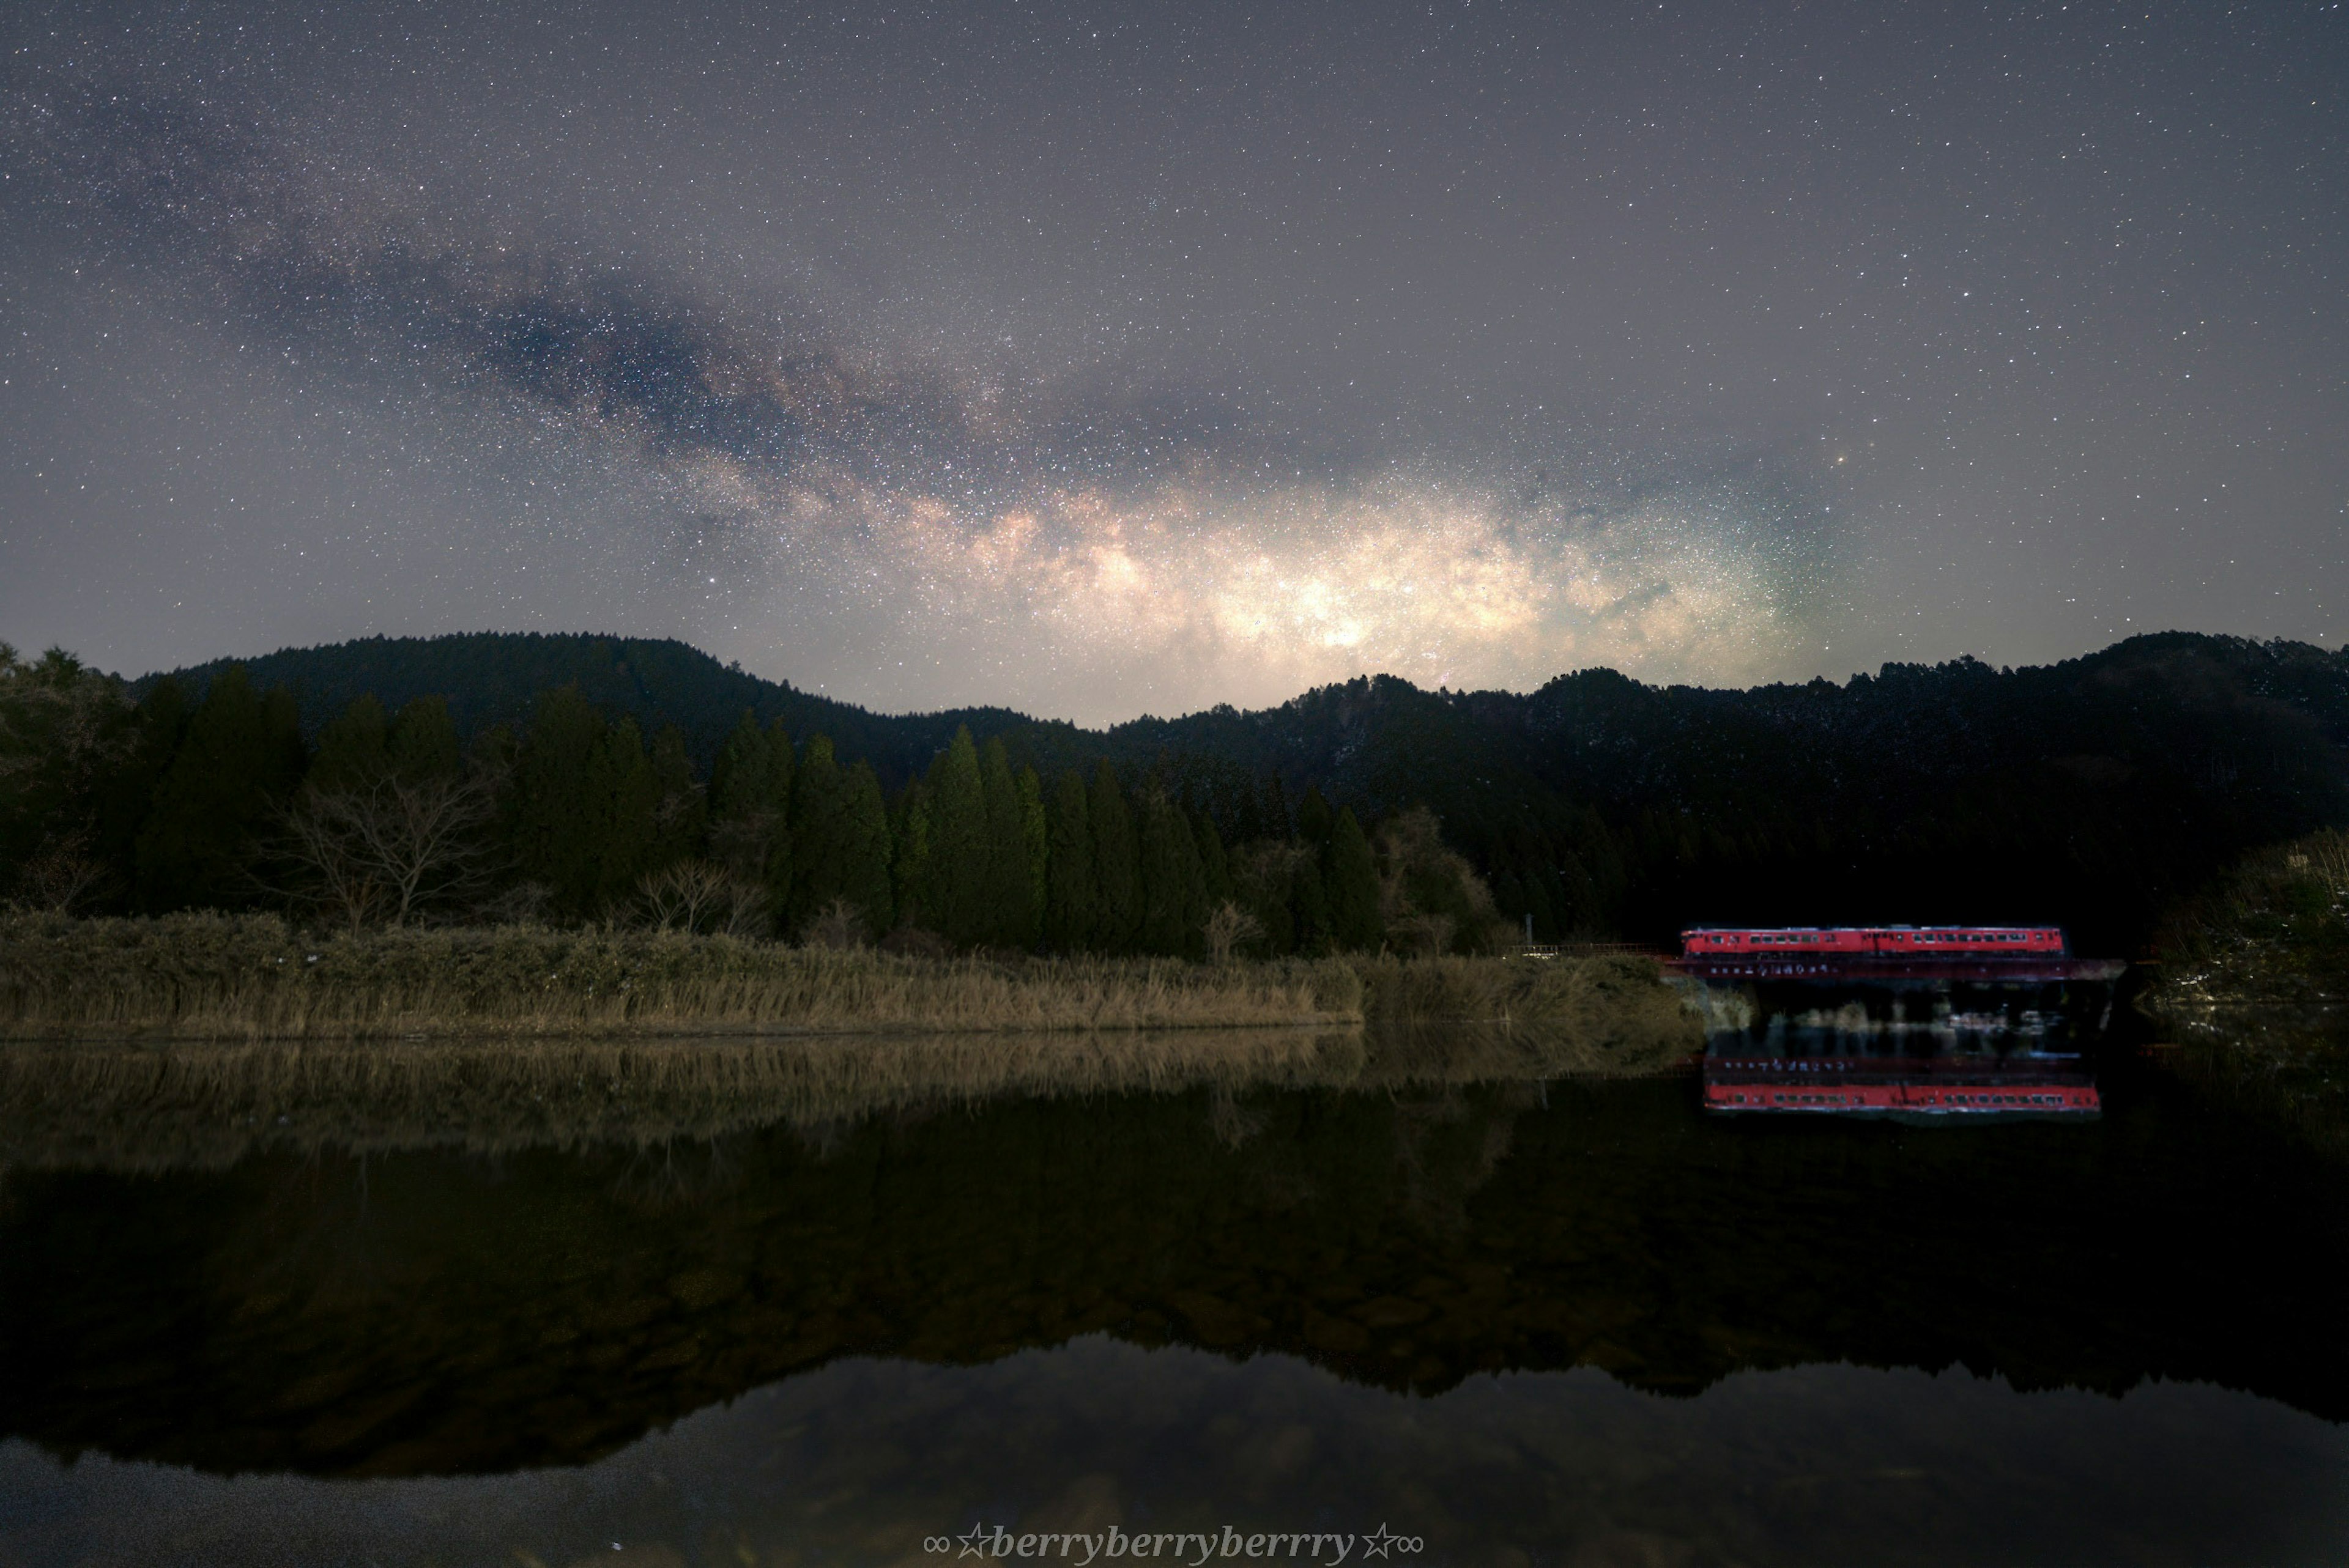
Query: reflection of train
{"type": "Point", "coordinates": [2019, 1085]}
{"type": "Point", "coordinates": [1890, 941]}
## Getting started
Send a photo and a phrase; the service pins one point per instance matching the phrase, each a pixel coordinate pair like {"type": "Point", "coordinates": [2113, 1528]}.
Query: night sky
{"type": "Point", "coordinates": [1096, 361]}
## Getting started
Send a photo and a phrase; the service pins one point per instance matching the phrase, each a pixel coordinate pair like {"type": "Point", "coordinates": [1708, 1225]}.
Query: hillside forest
{"type": "Point", "coordinates": [579, 778]}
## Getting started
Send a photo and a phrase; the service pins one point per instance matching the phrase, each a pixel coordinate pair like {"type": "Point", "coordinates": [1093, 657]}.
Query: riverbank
{"type": "Point", "coordinates": [2272, 932]}
{"type": "Point", "coordinates": [256, 978]}
{"type": "Point", "coordinates": [2253, 987]}
{"type": "Point", "coordinates": [201, 1105]}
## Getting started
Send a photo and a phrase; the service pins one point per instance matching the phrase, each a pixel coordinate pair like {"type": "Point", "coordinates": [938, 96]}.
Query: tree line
{"type": "Point", "coordinates": [175, 802]}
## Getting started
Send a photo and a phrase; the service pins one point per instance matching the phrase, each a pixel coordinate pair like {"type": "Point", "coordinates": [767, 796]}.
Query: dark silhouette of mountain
{"type": "Point", "coordinates": [494, 677]}
{"type": "Point", "coordinates": [2090, 792]}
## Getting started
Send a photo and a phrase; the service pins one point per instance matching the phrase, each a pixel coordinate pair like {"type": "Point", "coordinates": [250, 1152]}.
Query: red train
{"type": "Point", "coordinates": [1889, 941]}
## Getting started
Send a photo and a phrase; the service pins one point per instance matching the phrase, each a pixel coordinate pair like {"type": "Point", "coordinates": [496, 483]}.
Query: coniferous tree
{"type": "Point", "coordinates": [680, 810]}
{"type": "Point", "coordinates": [956, 890]}
{"type": "Point", "coordinates": [238, 763]}
{"type": "Point", "coordinates": [1214, 866]}
{"type": "Point", "coordinates": [820, 834]}
{"type": "Point", "coordinates": [909, 857]}
{"type": "Point", "coordinates": [422, 741]}
{"type": "Point", "coordinates": [750, 808]}
{"type": "Point", "coordinates": [1069, 869]}
{"type": "Point", "coordinates": [1273, 808]}
{"type": "Point", "coordinates": [1010, 915]}
{"type": "Point", "coordinates": [1037, 836]}
{"type": "Point", "coordinates": [1308, 904]}
{"type": "Point", "coordinates": [126, 795]}
{"type": "Point", "coordinates": [585, 797]}
{"type": "Point", "coordinates": [1117, 866]}
{"type": "Point", "coordinates": [353, 751]}
{"type": "Point", "coordinates": [1314, 823]}
{"type": "Point", "coordinates": [556, 824]}
{"type": "Point", "coordinates": [1173, 888]}
{"type": "Point", "coordinates": [865, 861]}
{"type": "Point", "coordinates": [627, 798]}
{"type": "Point", "coordinates": [1350, 883]}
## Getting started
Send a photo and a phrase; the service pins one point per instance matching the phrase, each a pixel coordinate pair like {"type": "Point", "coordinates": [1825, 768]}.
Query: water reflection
{"type": "Point", "coordinates": [858, 1462]}
{"type": "Point", "coordinates": [1573, 1314]}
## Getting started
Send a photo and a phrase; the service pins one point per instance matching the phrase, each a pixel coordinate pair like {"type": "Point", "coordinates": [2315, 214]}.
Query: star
{"type": "Point", "coordinates": [973, 1543]}
{"type": "Point", "coordinates": [1376, 1545]}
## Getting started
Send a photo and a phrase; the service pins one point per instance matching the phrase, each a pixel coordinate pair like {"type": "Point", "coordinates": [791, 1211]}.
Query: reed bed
{"type": "Point", "coordinates": [205, 1105]}
{"type": "Point", "coordinates": [254, 977]}
{"type": "Point", "coordinates": [192, 1039]}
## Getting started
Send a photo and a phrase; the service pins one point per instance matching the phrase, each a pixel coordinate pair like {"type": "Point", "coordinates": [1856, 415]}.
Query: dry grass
{"type": "Point", "coordinates": [205, 977]}
{"type": "Point", "coordinates": [191, 1040]}
{"type": "Point", "coordinates": [116, 1105]}
{"type": "Point", "coordinates": [254, 977]}
{"type": "Point", "coordinates": [2275, 930]}
{"type": "Point", "coordinates": [201, 1105]}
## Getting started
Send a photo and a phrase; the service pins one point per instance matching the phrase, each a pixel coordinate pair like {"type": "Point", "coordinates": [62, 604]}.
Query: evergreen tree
{"type": "Point", "coordinates": [1117, 866]}
{"type": "Point", "coordinates": [1174, 887]}
{"type": "Point", "coordinates": [909, 856]}
{"type": "Point", "coordinates": [956, 887]}
{"type": "Point", "coordinates": [584, 799]}
{"type": "Point", "coordinates": [1069, 869]}
{"type": "Point", "coordinates": [627, 797]}
{"type": "Point", "coordinates": [1350, 878]}
{"type": "Point", "coordinates": [749, 808]}
{"type": "Point", "coordinates": [865, 859]}
{"type": "Point", "coordinates": [738, 778]}
{"type": "Point", "coordinates": [354, 751]}
{"type": "Point", "coordinates": [1214, 866]}
{"type": "Point", "coordinates": [1010, 915]}
{"type": "Point", "coordinates": [1314, 822]}
{"type": "Point", "coordinates": [422, 741]}
{"type": "Point", "coordinates": [680, 810]}
{"type": "Point", "coordinates": [820, 834]}
{"type": "Point", "coordinates": [125, 794]}
{"type": "Point", "coordinates": [1036, 833]}
{"type": "Point", "coordinates": [1274, 807]}
{"type": "Point", "coordinates": [231, 776]}
{"type": "Point", "coordinates": [1308, 904]}
{"type": "Point", "coordinates": [555, 827]}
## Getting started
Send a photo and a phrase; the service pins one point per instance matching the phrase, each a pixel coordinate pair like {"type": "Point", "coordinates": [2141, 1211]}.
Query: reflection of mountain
{"type": "Point", "coordinates": [434, 1312]}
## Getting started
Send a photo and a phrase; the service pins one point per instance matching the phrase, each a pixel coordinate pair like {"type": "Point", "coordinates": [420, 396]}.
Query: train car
{"type": "Point", "coordinates": [1873, 941]}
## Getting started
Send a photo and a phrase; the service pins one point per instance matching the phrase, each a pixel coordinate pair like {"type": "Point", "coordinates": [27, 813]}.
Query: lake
{"type": "Point", "coordinates": [1507, 1320]}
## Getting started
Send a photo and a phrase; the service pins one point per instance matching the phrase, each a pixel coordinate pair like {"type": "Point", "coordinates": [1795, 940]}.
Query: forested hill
{"type": "Point", "coordinates": [494, 677]}
{"type": "Point", "coordinates": [2088, 792]}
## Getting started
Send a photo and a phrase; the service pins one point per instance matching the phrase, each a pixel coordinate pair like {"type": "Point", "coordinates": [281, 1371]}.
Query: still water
{"type": "Point", "coordinates": [1508, 1322]}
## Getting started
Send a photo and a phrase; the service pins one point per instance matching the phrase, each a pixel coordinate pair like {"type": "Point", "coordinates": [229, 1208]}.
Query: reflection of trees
{"type": "Point", "coordinates": [544, 1307]}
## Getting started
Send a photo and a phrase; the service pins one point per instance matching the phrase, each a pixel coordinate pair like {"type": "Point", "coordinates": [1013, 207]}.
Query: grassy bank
{"type": "Point", "coordinates": [254, 977]}
{"type": "Point", "coordinates": [125, 1106]}
{"type": "Point", "coordinates": [2274, 932]}
{"type": "Point", "coordinates": [2253, 987]}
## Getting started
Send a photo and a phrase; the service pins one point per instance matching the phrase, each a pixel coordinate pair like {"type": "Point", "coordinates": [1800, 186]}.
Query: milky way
{"type": "Point", "coordinates": [1101, 361]}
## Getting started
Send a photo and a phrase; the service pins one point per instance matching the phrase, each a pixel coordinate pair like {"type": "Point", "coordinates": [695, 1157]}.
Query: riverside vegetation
{"type": "Point", "coordinates": [252, 977]}
{"type": "Point", "coordinates": [2254, 983]}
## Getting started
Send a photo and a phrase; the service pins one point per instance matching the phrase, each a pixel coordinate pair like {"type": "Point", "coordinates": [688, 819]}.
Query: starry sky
{"type": "Point", "coordinates": [1100, 360]}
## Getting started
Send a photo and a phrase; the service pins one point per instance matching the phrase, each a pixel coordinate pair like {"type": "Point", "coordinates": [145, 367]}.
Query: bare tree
{"type": "Point", "coordinates": [1425, 935]}
{"type": "Point", "coordinates": [841, 925]}
{"type": "Point", "coordinates": [1231, 926]}
{"type": "Point", "coordinates": [701, 895]}
{"type": "Point", "coordinates": [60, 876]}
{"type": "Point", "coordinates": [392, 849]}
